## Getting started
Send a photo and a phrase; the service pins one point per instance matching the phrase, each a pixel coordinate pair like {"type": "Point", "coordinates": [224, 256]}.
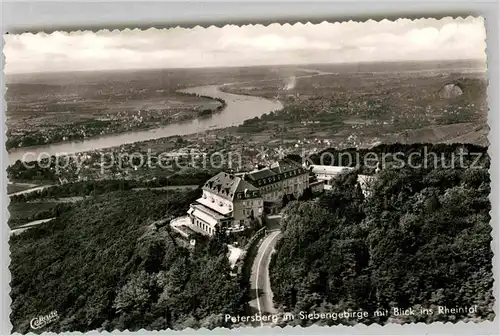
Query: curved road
{"type": "Point", "coordinates": [24, 227]}
{"type": "Point", "coordinates": [260, 285]}
{"type": "Point", "coordinates": [28, 191]}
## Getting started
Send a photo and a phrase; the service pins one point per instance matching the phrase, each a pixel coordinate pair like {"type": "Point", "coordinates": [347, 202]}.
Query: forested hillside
{"type": "Point", "coordinates": [420, 240]}
{"type": "Point", "coordinates": [103, 265]}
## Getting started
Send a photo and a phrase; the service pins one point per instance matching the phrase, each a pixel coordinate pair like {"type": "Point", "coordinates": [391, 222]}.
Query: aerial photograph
{"type": "Point", "coordinates": [303, 174]}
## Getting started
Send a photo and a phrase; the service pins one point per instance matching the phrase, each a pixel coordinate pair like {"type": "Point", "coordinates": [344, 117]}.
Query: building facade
{"type": "Point", "coordinates": [282, 178]}
{"type": "Point", "coordinates": [233, 202]}
{"type": "Point", "coordinates": [228, 203]}
{"type": "Point", "coordinates": [317, 186]}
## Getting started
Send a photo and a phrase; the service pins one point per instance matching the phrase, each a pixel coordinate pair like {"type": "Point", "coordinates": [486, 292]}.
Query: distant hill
{"type": "Point", "coordinates": [455, 133]}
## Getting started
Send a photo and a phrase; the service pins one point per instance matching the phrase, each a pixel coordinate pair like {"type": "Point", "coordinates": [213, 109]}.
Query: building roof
{"type": "Point", "coordinates": [259, 174]}
{"type": "Point", "coordinates": [207, 210]}
{"type": "Point", "coordinates": [285, 166]}
{"type": "Point", "coordinates": [206, 218]}
{"type": "Point", "coordinates": [214, 206]}
{"type": "Point", "coordinates": [333, 170]}
{"type": "Point", "coordinates": [279, 170]}
{"type": "Point", "coordinates": [228, 185]}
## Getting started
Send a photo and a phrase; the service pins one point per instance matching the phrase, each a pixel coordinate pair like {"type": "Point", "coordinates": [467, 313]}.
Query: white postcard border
{"type": "Point", "coordinates": [32, 16]}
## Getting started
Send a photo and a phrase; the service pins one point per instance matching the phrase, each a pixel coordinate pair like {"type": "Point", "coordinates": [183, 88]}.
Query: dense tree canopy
{"type": "Point", "coordinates": [97, 187]}
{"type": "Point", "coordinates": [420, 240]}
{"type": "Point", "coordinates": [104, 264]}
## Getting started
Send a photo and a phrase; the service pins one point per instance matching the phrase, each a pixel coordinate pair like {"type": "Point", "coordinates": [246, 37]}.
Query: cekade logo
{"type": "Point", "coordinates": [42, 321]}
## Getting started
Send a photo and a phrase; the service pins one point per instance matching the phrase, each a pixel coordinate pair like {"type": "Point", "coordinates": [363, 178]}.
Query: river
{"type": "Point", "coordinates": [238, 109]}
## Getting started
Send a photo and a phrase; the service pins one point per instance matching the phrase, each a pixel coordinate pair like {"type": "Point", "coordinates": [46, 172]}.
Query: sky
{"type": "Point", "coordinates": [423, 39]}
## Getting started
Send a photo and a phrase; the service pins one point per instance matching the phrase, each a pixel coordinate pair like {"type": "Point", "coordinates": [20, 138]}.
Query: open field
{"type": "Point", "coordinates": [21, 213]}
{"type": "Point", "coordinates": [19, 187]}
{"type": "Point", "coordinates": [375, 104]}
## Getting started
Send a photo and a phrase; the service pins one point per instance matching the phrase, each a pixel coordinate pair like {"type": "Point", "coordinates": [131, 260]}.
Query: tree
{"type": "Point", "coordinates": [306, 195]}
{"type": "Point", "coordinates": [410, 244]}
{"type": "Point", "coordinates": [134, 296]}
{"type": "Point", "coordinates": [134, 275]}
{"type": "Point", "coordinates": [284, 200]}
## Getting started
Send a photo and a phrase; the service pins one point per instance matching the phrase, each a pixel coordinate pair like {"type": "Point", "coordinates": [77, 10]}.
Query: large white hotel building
{"type": "Point", "coordinates": [233, 202]}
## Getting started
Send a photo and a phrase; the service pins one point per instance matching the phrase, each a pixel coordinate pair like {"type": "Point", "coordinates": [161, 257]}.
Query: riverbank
{"type": "Point", "coordinates": [191, 107]}
{"type": "Point", "coordinates": [238, 109]}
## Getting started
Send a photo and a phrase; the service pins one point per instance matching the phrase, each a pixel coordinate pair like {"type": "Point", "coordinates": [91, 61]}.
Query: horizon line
{"type": "Point", "coordinates": [248, 66]}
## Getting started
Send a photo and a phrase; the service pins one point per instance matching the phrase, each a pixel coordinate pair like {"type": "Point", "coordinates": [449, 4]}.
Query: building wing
{"type": "Point", "coordinates": [228, 186]}
{"type": "Point", "coordinates": [287, 166]}
{"type": "Point", "coordinates": [329, 170]}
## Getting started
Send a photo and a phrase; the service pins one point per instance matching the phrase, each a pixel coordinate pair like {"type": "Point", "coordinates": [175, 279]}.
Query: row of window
{"type": "Point", "coordinates": [270, 187]}
{"type": "Point", "coordinates": [279, 177]}
{"type": "Point", "coordinates": [219, 202]}
{"type": "Point", "coordinates": [273, 194]}
{"type": "Point", "coordinates": [252, 203]}
{"type": "Point", "coordinates": [248, 212]}
{"type": "Point", "coordinates": [204, 226]}
{"type": "Point", "coordinates": [285, 183]}
{"type": "Point", "coordinates": [253, 194]}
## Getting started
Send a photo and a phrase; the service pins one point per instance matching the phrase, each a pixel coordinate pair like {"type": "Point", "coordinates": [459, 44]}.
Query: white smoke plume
{"type": "Point", "coordinates": [290, 84]}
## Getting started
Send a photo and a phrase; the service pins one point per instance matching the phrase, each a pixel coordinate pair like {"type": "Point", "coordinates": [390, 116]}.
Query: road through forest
{"type": "Point", "coordinates": [260, 284]}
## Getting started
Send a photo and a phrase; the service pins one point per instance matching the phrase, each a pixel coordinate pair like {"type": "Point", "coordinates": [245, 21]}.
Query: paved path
{"type": "Point", "coordinates": [29, 225]}
{"type": "Point", "coordinates": [260, 285]}
{"type": "Point", "coordinates": [27, 191]}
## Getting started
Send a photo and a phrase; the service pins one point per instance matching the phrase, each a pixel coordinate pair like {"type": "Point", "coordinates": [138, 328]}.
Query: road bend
{"type": "Point", "coordinates": [260, 284]}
